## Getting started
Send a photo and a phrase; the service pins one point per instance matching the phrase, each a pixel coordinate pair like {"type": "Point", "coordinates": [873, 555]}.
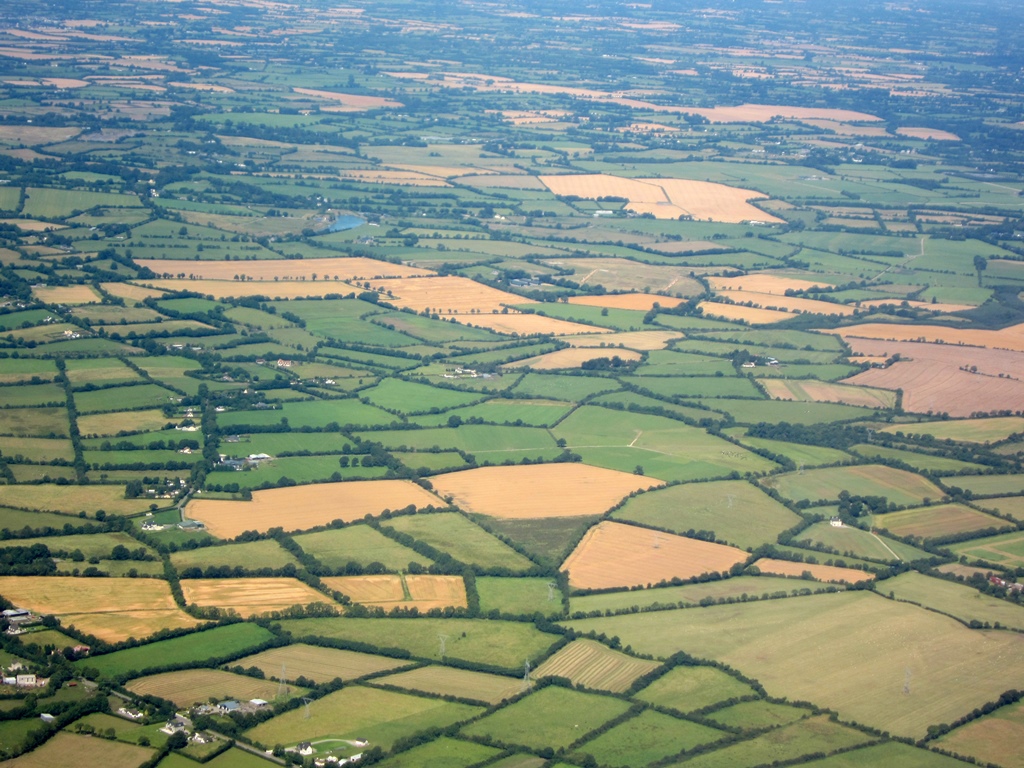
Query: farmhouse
{"type": "Point", "coordinates": [131, 714]}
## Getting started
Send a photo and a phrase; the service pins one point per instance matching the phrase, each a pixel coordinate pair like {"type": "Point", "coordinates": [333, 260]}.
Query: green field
{"type": "Point", "coordinates": [919, 461]}
{"type": "Point", "coordinates": [1005, 550]}
{"type": "Point", "coordinates": [315, 413]}
{"type": "Point", "coordinates": [500, 644]}
{"type": "Point", "coordinates": [552, 716]}
{"type": "Point", "coordinates": [126, 398]}
{"type": "Point", "coordinates": [776, 411]}
{"type": "Point", "coordinates": [801, 455]}
{"type": "Point", "coordinates": [686, 689]}
{"type": "Point", "coordinates": [24, 395]}
{"type": "Point", "coordinates": [648, 737]}
{"type": "Point", "coordinates": [987, 485]}
{"type": "Point", "coordinates": [897, 485]}
{"type": "Point", "coordinates": [665, 448]}
{"type": "Point", "coordinates": [814, 736]}
{"type": "Point", "coordinates": [994, 739]}
{"type": "Point", "coordinates": [518, 596]}
{"type": "Point", "coordinates": [939, 521]}
{"type": "Point", "coordinates": [487, 443]}
{"type": "Point", "coordinates": [461, 538]}
{"type": "Point", "coordinates": [872, 643]}
{"type": "Point", "coordinates": [546, 539]}
{"type": "Point", "coordinates": [442, 753]}
{"type": "Point", "coordinates": [357, 712]}
{"type": "Point", "coordinates": [855, 542]}
{"type": "Point", "coordinates": [535, 413]}
{"type": "Point", "coordinates": [962, 602]}
{"type": "Point", "coordinates": [359, 544]}
{"type": "Point", "coordinates": [401, 396]}
{"type": "Point", "coordinates": [688, 594]}
{"type": "Point", "coordinates": [735, 511]}
{"type": "Point", "coordinates": [231, 640]}
{"type": "Point", "coordinates": [250, 556]}
{"type": "Point", "coordinates": [965, 430]}
{"type": "Point", "coordinates": [561, 387]}
{"type": "Point", "coordinates": [891, 754]}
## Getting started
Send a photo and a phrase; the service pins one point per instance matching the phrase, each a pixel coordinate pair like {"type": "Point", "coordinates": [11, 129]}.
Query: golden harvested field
{"type": "Point", "coordinates": [197, 686]}
{"type": "Point", "coordinates": [640, 301]}
{"type": "Point", "coordinates": [354, 268]}
{"type": "Point", "coordinates": [556, 490]}
{"type": "Point", "coordinates": [526, 324]}
{"type": "Point", "coordinates": [102, 425]}
{"type": "Point", "coordinates": [56, 498]}
{"type": "Point", "coordinates": [83, 752]}
{"type": "Point", "coordinates": [932, 134]}
{"type": "Point", "coordinates": [117, 608]}
{"type": "Point", "coordinates": [349, 102]}
{"type": "Point", "coordinates": [450, 681]}
{"type": "Point", "coordinates": [318, 664]}
{"type": "Point", "coordinates": [641, 340]}
{"type": "Point", "coordinates": [761, 283]}
{"type": "Point", "coordinates": [389, 591]}
{"type": "Point", "coordinates": [932, 522]}
{"type": "Point", "coordinates": [250, 597]}
{"type": "Point", "coordinates": [665, 198]}
{"type": "Point", "coordinates": [571, 358]}
{"type": "Point", "coordinates": [752, 315]}
{"type": "Point", "coordinates": [130, 292]}
{"type": "Point", "coordinates": [446, 295]}
{"type": "Point", "coordinates": [66, 294]}
{"type": "Point", "coordinates": [617, 555]}
{"type": "Point", "coordinates": [937, 377]}
{"type": "Point", "coordinates": [306, 506]}
{"type": "Point", "coordinates": [1011, 338]}
{"type": "Point", "coordinates": [31, 225]}
{"type": "Point", "coordinates": [626, 275]}
{"type": "Point", "coordinates": [820, 572]}
{"type": "Point", "coordinates": [593, 665]}
{"type": "Point", "coordinates": [827, 392]}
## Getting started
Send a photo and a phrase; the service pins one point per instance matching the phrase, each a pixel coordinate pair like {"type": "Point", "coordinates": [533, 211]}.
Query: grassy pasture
{"type": "Point", "coordinates": [501, 644]}
{"type": "Point", "coordinates": [39, 449]}
{"type": "Point", "coordinates": [959, 601]}
{"type": "Point", "coordinates": [919, 461]}
{"type": "Point", "coordinates": [24, 369]}
{"type": "Point", "coordinates": [686, 689]}
{"type": "Point", "coordinates": [461, 538]}
{"type": "Point", "coordinates": [893, 754]}
{"type": "Point", "coordinates": [665, 448]}
{"type": "Point", "coordinates": [102, 425]}
{"type": "Point", "coordinates": [806, 455]}
{"type": "Point", "coordinates": [250, 555]}
{"type": "Point", "coordinates": [988, 485]}
{"type": "Point", "coordinates": [86, 498]}
{"type": "Point", "coordinates": [123, 398]}
{"type": "Point", "coordinates": [99, 371]}
{"type": "Point", "coordinates": [897, 485]}
{"type": "Point", "coordinates": [592, 665]}
{"type": "Point", "coordinates": [775, 411]}
{"type": "Point", "coordinates": [938, 521]}
{"type": "Point", "coordinates": [310, 413]}
{"type": "Point", "coordinates": [551, 717]}
{"type": "Point", "coordinates": [648, 737]}
{"type": "Point", "coordinates": [410, 397]}
{"type": "Point", "coordinates": [317, 663]}
{"type": "Point", "coordinates": [994, 739]}
{"type": "Point", "coordinates": [688, 594]}
{"type": "Point", "coordinates": [25, 395]}
{"type": "Point", "coordinates": [17, 520]}
{"type": "Point", "coordinates": [91, 544]}
{"type": "Point", "coordinates": [59, 203]}
{"type": "Point", "coordinates": [1011, 505]}
{"type": "Point", "coordinates": [873, 643]}
{"type": "Point", "coordinates": [443, 753]}
{"type": "Point", "coordinates": [991, 430]}
{"type": "Point", "coordinates": [35, 422]}
{"type": "Point", "coordinates": [696, 386]}
{"type": "Point", "coordinates": [492, 443]}
{"type": "Point", "coordinates": [859, 543]}
{"type": "Point", "coordinates": [546, 539]}
{"type": "Point", "coordinates": [230, 640]}
{"type": "Point", "coordinates": [461, 683]}
{"type": "Point", "coordinates": [301, 469]}
{"type": "Point", "coordinates": [555, 386]}
{"type": "Point", "coordinates": [84, 752]}
{"type": "Point", "coordinates": [816, 735]}
{"type": "Point", "coordinates": [736, 511]}
{"type": "Point", "coordinates": [357, 712]}
{"type": "Point", "coordinates": [360, 544]}
{"type": "Point", "coordinates": [197, 686]}
{"type": "Point", "coordinates": [518, 596]}
{"type": "Point", "coordinates": [535, 413]}
{"type": "Point", "coordinates": [1005, 550]}
{"type": "Point", "coordinates": [278, 443]}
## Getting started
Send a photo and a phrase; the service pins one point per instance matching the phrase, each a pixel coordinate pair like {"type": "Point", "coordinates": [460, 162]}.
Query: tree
{"type": "Point", "coordinates": [980, 265]}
